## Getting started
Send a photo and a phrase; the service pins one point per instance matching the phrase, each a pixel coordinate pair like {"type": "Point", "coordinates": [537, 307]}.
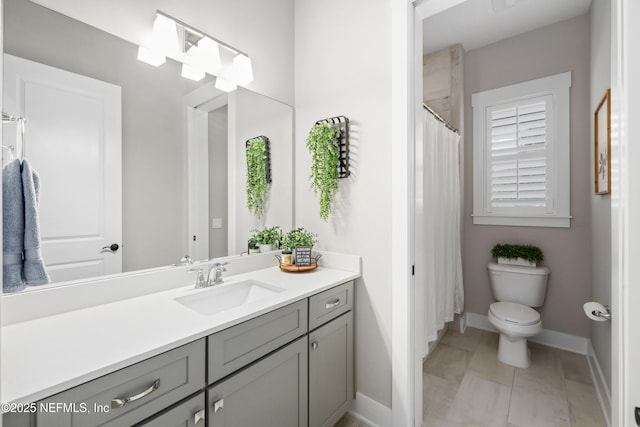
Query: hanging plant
{"type": "Point", "coordinates": [257, 174]}
{"type": "Point", "coordinates": [323, 144]}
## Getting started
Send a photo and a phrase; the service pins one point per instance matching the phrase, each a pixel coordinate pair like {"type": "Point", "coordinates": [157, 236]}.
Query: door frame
{"type": "Point", "coordinates": [406, 104]}
{"type": "Point", "coordinates": [625, 207]}
{"type": "Point", "coordinates": [406, 29]}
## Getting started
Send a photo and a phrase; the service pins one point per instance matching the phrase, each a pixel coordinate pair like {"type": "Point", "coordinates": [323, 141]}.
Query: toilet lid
{"type": "Point", "coordinates": [514, 313]}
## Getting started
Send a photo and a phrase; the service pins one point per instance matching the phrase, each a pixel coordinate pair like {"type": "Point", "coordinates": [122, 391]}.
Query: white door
{"type": "Point", "coordinates": [73, 140]}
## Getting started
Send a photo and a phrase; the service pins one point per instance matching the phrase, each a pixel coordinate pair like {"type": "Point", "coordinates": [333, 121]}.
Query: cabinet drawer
{"type": "Point", "coordinates": [236, 347]}
{"type": "Point", "coordinates": [330, 304]}
{"type": "Point", "coordinates": [270, 393]}
{"type": "Point", "coordinates": [190, 413]}
{"type": "Point", "coordinates": [150, 386]}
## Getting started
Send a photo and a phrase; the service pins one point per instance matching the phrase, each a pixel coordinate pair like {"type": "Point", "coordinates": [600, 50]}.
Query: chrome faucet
{"type": "Point", "coordinates": [215, 274]}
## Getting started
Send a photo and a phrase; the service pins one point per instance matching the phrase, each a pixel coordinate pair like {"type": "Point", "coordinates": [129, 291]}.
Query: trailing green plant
{"type": "Point", "coordinates": [298, 237]}
{"type": "Point", "coordinates": [528, 252]}
{"type": "Point", "coordinates": [268, 236]}
{"type": "Point", "coordinates": [323, 144]}
{"type": "Point", "coordinates": [256, 175]}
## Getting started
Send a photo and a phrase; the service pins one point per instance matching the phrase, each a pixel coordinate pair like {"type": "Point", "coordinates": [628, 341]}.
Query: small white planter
{"type": "Point", "coordinates": [517, 261]}
{"type": "Point", "coordinates": [265, 248]}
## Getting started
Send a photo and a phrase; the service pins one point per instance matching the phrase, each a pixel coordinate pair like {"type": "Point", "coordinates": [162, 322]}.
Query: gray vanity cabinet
{"type": "Point", "coordinates": [331, 371]}
{"type": "Point", "coordinates": [330, 355]}
{"type": "Point", "coordinates": [292, 366]}
{"type": "Point", "coordinates": [270, 393]}
{"type": "Point", "coordinates": [190, 413]}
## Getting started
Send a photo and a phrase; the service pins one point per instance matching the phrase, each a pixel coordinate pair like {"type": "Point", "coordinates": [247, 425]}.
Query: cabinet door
{"type": "Point", "coordinates": [331, 371]}
{"type": "Point", "coordinates": [270, 393]}
{"type": "Point", "coordinates": [190, 413]}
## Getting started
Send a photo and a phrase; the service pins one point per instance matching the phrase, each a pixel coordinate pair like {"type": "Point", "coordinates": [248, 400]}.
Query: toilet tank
{"type": "Point", "coordinates": [523, 285]}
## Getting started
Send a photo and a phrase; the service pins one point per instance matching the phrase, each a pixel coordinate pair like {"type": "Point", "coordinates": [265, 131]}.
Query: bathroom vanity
{"type": "Point", "coordinates": [285, 359]}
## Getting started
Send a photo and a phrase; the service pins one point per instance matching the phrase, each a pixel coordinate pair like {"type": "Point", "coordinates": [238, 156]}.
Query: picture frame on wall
{"type": "Point", "coordinates": [602, 145]}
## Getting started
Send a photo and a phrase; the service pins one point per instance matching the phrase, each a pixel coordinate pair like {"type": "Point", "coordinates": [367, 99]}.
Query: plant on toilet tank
{"type": "Point", "coordinates": [524, 255]}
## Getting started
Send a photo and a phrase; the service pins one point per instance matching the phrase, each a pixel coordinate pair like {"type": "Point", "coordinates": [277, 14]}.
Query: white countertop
{"type": "Point", "coordinates": [45, 356]}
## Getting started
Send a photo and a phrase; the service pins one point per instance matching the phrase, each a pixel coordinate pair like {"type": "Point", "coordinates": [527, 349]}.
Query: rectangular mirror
{"type": "Point", "coordinates": [113, 141]}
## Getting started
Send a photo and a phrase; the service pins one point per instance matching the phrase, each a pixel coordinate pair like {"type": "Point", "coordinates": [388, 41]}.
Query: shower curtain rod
{"type": "Point", "coordinates": [439, 118]}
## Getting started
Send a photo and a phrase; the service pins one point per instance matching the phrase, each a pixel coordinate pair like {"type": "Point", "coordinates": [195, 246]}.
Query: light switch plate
{"type": "Point", "coordinates": [216, 222]}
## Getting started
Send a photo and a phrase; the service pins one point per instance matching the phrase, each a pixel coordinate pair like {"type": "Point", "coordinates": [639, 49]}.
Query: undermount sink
{"type": "Point", "coordinates": [220, 298]}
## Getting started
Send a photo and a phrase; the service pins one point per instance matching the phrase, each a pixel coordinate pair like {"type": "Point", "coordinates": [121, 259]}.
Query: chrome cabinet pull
{"type": "Point", "coordinates": [332, 304]}
{"type": "Point", "coordinates": [217, 405]}
{"type": "Point", "coordinates": [314, 345]}
{"type": "Point", "coordinates": [198, 416]}
{"type": "Point", "coordinates": [119, 403]}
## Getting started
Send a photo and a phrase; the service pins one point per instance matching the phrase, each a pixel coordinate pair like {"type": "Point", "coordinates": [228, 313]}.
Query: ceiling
{"type": "Point", "coordinates": [475, 23]}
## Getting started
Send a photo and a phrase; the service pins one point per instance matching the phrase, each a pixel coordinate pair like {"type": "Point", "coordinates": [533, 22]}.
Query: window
{"type": "Point", "coordinates": [521, 154]}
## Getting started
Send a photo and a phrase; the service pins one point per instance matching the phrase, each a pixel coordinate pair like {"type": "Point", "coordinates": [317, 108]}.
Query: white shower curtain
{"type": "Point", "coordinates": [440, 228]}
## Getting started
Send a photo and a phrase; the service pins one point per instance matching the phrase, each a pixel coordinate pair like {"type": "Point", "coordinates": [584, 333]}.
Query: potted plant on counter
{"type": "Point", "coordinates": [268, 238]}
{"type": "Point", "coordinates": [524, 255]}
{"type": "Point", "coordinates": [298, 238]}
{"type": "Point", "coordinates": [253, 246]}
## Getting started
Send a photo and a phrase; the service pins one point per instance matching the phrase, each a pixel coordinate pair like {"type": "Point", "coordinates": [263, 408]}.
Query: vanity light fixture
{"type": "Point", "coordinates": [242, 70]}
{"type": "Point", "coordinates": [225, 85]}
{"type": "Point", "coordinates": [191, 72]}
{"type": "Point", "coordinates": [198, 52]}
{"type": "Point", "coordinates": [150, 56]}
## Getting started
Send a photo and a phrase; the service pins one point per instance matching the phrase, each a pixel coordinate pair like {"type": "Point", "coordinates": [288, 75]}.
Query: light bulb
{"type": "Point", "coordinates": [150, 56]}
{"type": "Point", "coordinates": [191, 72]}
{"type": "Point", "coordinates": [225, 85]}
{"type": "Point", "coordinates": [242, 69]}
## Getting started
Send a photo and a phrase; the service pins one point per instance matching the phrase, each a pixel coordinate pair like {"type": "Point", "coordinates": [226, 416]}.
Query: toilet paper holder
{"type": "Point", "coordinates": [605, 315]}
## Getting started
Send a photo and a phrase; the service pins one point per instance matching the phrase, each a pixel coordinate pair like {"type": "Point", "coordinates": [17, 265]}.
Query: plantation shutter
{"type": "Point", "coordinates": [518, 147]}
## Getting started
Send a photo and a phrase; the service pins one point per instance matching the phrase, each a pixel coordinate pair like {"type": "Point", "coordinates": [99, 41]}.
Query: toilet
{"type": "Point", "coordinates": [516, 290]}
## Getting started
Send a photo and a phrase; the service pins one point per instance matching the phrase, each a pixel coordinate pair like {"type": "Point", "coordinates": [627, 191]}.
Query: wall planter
{"type": "Point", "coordinates": [328, 143]}
{"type": "Point", "coordinates": [258, 173]}
{"type": "Point", "coordinates": [522, 255]}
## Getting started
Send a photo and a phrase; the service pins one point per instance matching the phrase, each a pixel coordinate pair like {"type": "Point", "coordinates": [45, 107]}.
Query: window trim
{"type": "Point", "coordinates": [558, 86]}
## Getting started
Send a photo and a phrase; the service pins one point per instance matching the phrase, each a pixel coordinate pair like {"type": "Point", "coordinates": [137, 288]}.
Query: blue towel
{"type": "Point", "coordinates": [34, 272]}
{"type": "Point", "coordinates": [13, 228]}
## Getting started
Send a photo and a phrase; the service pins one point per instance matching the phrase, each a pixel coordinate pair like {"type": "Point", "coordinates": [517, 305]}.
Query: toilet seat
{"type": "Point", "coordinates": [514, 313]}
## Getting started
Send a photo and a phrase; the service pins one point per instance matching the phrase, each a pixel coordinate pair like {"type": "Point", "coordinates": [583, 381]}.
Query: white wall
{"type": "Point", "coordinates": [343, 67]}
{"type": "Point", "coordinates": [600, 16]}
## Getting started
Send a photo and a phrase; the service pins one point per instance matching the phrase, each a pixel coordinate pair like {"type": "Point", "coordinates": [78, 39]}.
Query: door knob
{"type": "Point", "coordinates": [111, 248]}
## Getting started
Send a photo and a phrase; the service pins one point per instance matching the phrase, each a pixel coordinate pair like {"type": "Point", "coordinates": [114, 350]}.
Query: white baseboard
{"type": "Point", "coordinates": [370, 411]}
{"type": "Point", "coordinates": [547, 337]}
{"type": "Point", "coordinates": [600, 384]}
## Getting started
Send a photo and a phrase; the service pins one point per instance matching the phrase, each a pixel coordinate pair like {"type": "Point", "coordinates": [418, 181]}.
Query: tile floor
{"type": "Point", "coordinates": [465, 385]}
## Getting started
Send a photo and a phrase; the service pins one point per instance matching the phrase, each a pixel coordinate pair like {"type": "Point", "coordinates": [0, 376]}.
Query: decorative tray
{"type": "Point", "coordinates": [298, 269]}
{"type": "Point", "coordinates": [293, 268]}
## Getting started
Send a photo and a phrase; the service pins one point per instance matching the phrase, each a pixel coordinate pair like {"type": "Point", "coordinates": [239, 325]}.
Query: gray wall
{"type": "Point", "coordinates": [551, 50]}
{"type": "Point", "coordinates": [153, 152]}
{"type": "Point", "coordinates": [600, 205]}
{"type": "Point", "coordinates": [218, 181]}
{"type": "Point", "coordinates": [343, 67]}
